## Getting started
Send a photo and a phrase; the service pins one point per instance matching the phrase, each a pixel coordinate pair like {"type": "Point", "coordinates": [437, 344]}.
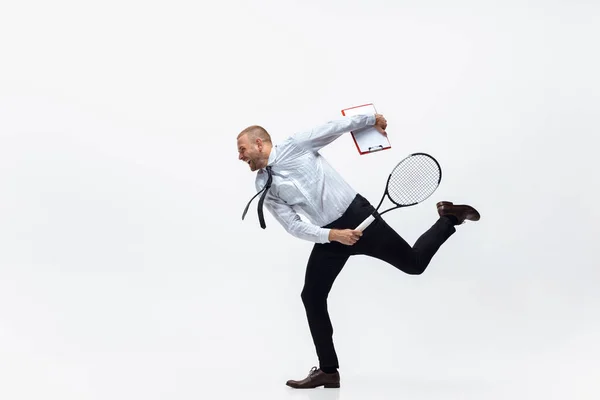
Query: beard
{"type": "Point", "coordinates": [252, 165]}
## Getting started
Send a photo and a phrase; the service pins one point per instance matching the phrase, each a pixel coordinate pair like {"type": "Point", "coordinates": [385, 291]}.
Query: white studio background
{"type": "Point", "coordinates": [126, 271]}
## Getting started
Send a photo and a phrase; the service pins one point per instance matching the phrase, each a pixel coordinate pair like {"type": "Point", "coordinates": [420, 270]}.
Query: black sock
{"type": "Point", "coordinates": [329, 370]}
{"type": "Point", "coordinates": [452, 218]}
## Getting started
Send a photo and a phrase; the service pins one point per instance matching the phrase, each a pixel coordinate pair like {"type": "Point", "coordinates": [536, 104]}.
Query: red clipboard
{"type": "Point", "coordinates": [367, 140]}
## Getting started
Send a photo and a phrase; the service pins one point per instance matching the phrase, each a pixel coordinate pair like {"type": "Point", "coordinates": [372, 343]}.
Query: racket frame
{"type": "Point", "coordinates": [371, 217]}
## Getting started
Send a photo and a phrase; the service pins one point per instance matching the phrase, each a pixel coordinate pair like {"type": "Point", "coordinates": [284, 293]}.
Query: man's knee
{"type": "Point", "coordinates": [312, 298]}
{"type": "Point", "coordinates": [415, 270]}
{"type": "Point", "coordinates": [307, 296]}
{"type": "Point", "coordinates": [412, 266]}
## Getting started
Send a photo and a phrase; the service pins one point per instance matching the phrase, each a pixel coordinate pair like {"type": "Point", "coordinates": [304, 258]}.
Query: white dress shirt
{"type": "Point", "coordinates": [305, 184]}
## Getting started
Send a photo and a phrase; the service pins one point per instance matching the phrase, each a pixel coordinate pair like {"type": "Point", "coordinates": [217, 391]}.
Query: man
{"type": "Point", "coordinates": [294, 179]}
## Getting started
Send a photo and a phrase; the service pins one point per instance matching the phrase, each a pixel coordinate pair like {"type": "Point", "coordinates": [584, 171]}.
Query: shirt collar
{"type": "Point", "coordinates": [272, 156]}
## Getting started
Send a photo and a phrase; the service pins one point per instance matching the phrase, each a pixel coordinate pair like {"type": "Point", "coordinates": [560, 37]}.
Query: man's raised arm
{"type": "Point", "coordinates": [320, 136]}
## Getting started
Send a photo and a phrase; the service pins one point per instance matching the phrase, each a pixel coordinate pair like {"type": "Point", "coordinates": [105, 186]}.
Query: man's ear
{"type": "Point", "coordinates": [259, 143]}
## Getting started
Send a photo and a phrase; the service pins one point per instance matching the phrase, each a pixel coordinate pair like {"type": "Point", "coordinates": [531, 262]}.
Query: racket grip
{"type": "Point", "coordinates": [365, 223]}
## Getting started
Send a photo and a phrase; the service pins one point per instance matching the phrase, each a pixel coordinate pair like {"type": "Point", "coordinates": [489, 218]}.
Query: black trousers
{"type": "Point", "coordinates": [379, 240]}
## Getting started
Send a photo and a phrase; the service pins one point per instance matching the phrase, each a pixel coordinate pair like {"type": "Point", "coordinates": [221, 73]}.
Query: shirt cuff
{"type": "Point", "coordinates": [324, 235]}
{"type": "Point", "coordinates": [371, 120]}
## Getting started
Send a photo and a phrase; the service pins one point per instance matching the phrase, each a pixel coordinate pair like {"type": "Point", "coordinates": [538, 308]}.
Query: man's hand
{"type": "Point", "coordinates": [344, 236]}
{"type": "Point", "coordinates": [380, 123]}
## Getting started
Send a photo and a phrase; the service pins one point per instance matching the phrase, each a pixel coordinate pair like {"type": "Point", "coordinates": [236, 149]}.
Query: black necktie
{"type": "Point", "coordinates": [264, 190]}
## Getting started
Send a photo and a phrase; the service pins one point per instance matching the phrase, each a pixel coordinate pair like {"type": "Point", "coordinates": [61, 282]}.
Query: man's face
{"type": "Point", "coordinates": [248, 152]}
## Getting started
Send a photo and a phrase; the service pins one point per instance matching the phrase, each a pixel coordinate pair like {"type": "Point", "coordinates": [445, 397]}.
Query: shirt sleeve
{"type": "Point", "coordinates": [320, 136]}
{"type": "Point", "coordinates": [292, 222]}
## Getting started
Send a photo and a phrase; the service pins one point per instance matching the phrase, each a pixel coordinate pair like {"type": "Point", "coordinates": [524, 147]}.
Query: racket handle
{"type": "Point", "coordinates": [365, 223]}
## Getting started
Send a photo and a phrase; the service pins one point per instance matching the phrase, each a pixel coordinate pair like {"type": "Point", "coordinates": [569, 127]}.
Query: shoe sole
{"type": "Point", "coordinates": [326, 386]}
{"type": "Point", "coordinates": [444, 203]}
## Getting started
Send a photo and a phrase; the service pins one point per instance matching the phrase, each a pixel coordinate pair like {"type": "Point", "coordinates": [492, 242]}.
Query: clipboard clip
{"type": "Point", "coordinates": [375, 148]}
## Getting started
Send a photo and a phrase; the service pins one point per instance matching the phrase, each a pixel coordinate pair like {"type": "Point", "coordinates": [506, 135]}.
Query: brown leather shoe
{"type": "Point", "coordinates": [316, 378]}
{"type": "Point", "coordinates": [461, 212]}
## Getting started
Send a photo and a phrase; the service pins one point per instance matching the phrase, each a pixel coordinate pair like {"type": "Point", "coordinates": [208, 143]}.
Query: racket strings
{"type": "Point", "coordinates": [414, 179]}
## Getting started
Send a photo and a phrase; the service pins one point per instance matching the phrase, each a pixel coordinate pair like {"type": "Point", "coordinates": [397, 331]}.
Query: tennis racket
{"type": "Point", "coordinates": [412, 181]}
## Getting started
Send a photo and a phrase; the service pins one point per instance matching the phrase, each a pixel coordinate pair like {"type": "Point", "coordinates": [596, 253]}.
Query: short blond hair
{"type": "Point", "coordinates": [254, 132]}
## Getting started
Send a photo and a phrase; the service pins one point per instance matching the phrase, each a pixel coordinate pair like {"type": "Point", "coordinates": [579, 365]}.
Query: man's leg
{"type": "Point", "coordinates": [380, 241]}
{"type": "Point", "coordinates": [324, 265]}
